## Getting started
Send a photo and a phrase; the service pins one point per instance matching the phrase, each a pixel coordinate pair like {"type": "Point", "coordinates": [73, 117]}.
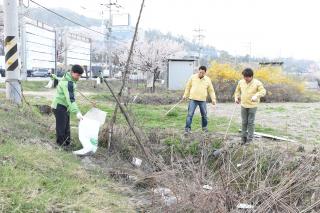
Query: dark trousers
{"type": "Point", "coordinates": [62, 125]}
{"type": "Point", "coordinates": [248, 116]}
{"type": "Point", "coordinates": [203, 110]}
{"type": "Point", "coordinates": [55, 83]}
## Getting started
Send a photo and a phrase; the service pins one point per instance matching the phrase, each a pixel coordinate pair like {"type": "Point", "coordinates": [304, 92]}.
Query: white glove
{"type": "Point", "coordinates": [254, 98]}
{"type": "Point", "coordinates": [79, 116]}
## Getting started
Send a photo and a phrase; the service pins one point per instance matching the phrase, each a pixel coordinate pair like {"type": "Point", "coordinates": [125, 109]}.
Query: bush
{"type": "Point", "coordinates": [280, 87]}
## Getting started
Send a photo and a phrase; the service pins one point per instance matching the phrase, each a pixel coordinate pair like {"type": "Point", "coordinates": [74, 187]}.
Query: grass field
{"type": "Point", "coordinates": [37, 177]}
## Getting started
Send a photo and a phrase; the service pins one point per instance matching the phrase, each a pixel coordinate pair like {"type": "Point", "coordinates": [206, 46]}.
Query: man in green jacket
{"type": "Point", "coordinates": [64, 103]}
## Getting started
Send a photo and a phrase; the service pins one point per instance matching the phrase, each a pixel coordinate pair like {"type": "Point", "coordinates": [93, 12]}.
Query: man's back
{"type": "Point", "coordinates": [65, 94]}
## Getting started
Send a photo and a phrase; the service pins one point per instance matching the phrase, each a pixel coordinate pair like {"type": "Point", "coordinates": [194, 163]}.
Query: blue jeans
{"type": "Point", "coordinates": [203, 110]}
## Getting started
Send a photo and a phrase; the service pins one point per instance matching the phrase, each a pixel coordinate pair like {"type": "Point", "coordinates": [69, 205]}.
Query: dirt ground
{"type": "Point", "coordinates": [300, 121]}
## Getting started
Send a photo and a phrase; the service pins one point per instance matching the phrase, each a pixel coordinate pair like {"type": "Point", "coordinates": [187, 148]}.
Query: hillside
{"type": "Point", "coordinates": [53, 20]}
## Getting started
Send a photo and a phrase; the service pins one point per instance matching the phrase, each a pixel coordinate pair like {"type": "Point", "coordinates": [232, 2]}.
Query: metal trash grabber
{"type": "Point", "coordinates": [94, 104]}
{"type": "Point", "coordinates": [229, 124]}
{"type": "Point", "coordinates": [174, 106]}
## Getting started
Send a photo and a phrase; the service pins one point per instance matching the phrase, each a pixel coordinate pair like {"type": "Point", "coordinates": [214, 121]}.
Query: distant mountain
{"type": "Point", "coordinates": [208, 53]}
{"type": "Point", "coordinates": [56, 21]}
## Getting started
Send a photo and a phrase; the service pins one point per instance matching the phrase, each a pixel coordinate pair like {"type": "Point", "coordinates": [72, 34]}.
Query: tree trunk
{"type": "Point", "coordinates": [153, 89]}
{"type": "Point", "coordinates": [156, 74]}
{"type": "Point", "coordinates": [126, 71]}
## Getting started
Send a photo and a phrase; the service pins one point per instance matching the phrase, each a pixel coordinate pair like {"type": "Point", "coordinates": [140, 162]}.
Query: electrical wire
{"type": "Point", "coordinates": [66, 18]}
{"type": "Point", "coordinates": [74, 22]}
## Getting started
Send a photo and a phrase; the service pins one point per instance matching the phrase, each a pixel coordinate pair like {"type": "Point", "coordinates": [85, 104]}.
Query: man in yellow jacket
{"type": "Point", "coordinates": [248, 93]}
{"type": "Point", "coordinates": [197, 90]}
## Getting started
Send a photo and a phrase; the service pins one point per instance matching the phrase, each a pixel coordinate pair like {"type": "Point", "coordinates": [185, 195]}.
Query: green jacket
{"type": "Point", "coordinates": [66, 94]}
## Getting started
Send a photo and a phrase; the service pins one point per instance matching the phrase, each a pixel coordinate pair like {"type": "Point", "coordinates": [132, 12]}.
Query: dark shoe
{"type": "Point", "coordinates": [67, 148]}
{"type": "Point", "coordinates": [249, 141]}
{"type": "Point", "coordinates": [243, 140]}
{"type": "Point", "coordinates": [187, 131]}
{"type": "Point", "coordinates": [205, 129]}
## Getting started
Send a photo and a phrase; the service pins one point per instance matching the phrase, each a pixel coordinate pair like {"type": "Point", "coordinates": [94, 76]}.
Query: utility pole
{"type": "Point", "coordinates": [13, 87]}
{"type": "Point", "coordinates": [55, 52]}
{"type": "Point", "coordinates": [23, 49]}
{"type": "Point", "coordinates": [250, 51]}
{"type": "Point", "coordinates": [249, 45]}
{"type": "Point", "coordinates": [108, 25]}
{"type": "Point", "coordinates": [65, 48]}
{"type": "Point", "coordinates": [90, 66]}
{"type": "Point", "coordinates": [199, 36]}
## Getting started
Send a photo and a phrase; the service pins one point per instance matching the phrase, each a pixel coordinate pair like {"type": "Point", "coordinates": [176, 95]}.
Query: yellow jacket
{"type": "Point", "coordinates": [198, 89]}
{"type": "Point", "coordinates": [246, 91]}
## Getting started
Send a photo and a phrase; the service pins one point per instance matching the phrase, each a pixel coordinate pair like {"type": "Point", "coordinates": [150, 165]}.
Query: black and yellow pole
{"type": "Point", "coordinates": [13, 87]}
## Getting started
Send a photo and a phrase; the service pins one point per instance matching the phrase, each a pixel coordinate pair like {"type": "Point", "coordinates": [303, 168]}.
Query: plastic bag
{"type": "Point", "coordinates": [98, 81]}
{"type": "Point", "coordinates": [50, 84]}
{"type": "Point", "coordinates": [89, 131]}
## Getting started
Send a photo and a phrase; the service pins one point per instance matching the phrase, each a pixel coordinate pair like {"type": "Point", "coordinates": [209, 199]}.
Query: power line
{"type": "Point", "coordinates": [72, 21]}
{"type": "Point", "coordinates": [66, 18]}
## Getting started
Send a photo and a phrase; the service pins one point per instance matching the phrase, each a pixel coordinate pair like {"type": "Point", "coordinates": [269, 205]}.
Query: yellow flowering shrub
{"type": "Point", "coordinates": [270, 75]}
{"type": "Point", "coordinates": [223, 72]}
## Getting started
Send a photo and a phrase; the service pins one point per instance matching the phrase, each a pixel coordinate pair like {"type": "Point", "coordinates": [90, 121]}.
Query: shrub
{"type": "Point", "coordinates": [279, 86]}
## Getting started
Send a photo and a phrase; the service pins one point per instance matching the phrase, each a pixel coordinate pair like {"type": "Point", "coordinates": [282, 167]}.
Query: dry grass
{"type": "Point", "coordinates": [269, 178]}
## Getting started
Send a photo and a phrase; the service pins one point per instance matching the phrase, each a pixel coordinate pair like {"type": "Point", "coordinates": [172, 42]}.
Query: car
{"type": "Point", "coordinates": [118, 75]}
{"type": "Point", "coordinates": [60, 73]}
{"type": "Point", "coordinates": [106, 73]}
{"type": "Point", "coordinates": [2, 73]}
{"type": "Point", "coordinates": [40, 73]}
{"type": "Point", "coordinates": [29, 73]}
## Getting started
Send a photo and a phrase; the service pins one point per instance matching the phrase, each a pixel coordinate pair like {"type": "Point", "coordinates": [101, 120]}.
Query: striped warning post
{"type": "Point", "coordinates": [11, 53]}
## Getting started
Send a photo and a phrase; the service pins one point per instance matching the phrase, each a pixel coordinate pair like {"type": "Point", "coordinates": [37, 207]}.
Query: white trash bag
{"type": "Point", "coordinates": [89, 131]}
{"type": "Point", "coordinates": [98, 81]}
{"type": "Point", "coordinates": [50, 84]}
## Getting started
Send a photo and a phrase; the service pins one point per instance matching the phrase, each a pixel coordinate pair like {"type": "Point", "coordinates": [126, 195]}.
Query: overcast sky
{"type": "Point", "coordinates": [269, 28]}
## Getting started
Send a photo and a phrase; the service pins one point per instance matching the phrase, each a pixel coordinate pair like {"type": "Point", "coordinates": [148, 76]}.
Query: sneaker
{"type": "Point", "coordinates": [67, 148]}
{"type": "Point", "coordinates": [187, 131]}
{"type": "Point", "coordinates": [205, 129]}
{"type": "Point", "coordinates": [249, 141]}
{"type": "Point", "coordinates": [243, 140]}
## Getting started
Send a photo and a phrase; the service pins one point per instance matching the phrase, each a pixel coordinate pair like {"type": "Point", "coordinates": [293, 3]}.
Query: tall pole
{"type": "Point", "coordinates": [90, 66]}
{"type": "Point", "coordinates": [109, 39]}
{"type": "Point", "coordinates": [109, 32]}
{"type": "Point", "coordinates": [55, 52]}
{"type": "Point", "coordinates": [65, 47]}
{"type": "Point", "coordinates": [199, 37]}
{"type": "Point", "coordinates": [13, 87]}
{"type": "Point", "coordinates": [23, 51]}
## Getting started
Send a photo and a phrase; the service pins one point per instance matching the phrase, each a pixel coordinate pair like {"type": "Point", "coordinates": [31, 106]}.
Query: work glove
{"type": "Point", "coordinates": [254, 98]}
{"type": "Point", "coordinates": [79, 116]}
